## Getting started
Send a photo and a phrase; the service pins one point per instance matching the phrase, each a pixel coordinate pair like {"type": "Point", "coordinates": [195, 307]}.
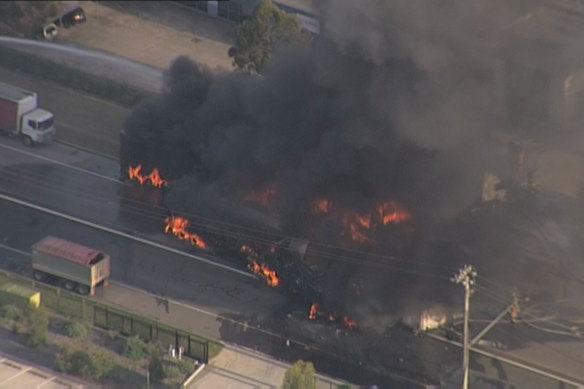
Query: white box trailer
{"type": "Point", "coordinates": [20, 116]}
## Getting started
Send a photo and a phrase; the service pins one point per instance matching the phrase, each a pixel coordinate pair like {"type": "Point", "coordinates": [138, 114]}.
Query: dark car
{"type": "Point", "coordinates": [71, 18]}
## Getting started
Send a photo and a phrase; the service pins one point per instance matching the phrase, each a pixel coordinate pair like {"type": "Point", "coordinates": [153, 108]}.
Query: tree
{"type": "Point", "coordinates": [300, 375]}
{"type": "Point", "coordinates": [269, 30]}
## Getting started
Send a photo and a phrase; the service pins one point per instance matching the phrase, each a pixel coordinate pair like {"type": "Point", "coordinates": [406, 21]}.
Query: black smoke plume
{"type": "Point", "coordinates": [392, 102]}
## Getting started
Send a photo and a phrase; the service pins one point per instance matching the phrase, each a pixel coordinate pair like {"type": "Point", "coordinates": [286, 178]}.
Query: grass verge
{"type": "Point", "coordinates": [71, 77]}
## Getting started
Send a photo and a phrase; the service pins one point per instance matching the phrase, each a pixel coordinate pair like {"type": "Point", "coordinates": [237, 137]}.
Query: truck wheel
{"type": "Point", "coordinates": [27, 141]}
{"type": "Point", "coordinates": [39, 276]}
{"type": "Point", "coordinates": [69, 285]}
{"type": "Point", "coordinates": [82, 289]}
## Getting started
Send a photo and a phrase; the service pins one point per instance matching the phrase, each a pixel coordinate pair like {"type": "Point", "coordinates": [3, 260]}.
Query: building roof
{"type": "Point", "coordinates": [62, 248]}
{"type": "Point", "coordinates": [303, 6]}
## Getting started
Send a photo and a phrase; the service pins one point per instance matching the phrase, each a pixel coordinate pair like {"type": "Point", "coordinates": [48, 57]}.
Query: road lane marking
{"type": "Point", "coordinates": [15, 250]}
{"type": "Point", "coordinates": [123, 234]}
{"type": "Point", "coordinates": [28, 153]}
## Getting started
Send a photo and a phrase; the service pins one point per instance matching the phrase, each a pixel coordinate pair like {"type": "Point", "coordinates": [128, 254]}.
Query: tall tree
{"type": "Point", "coordinates": [301, 375]}
{"type": "Point", "coordinates": [269, 30]}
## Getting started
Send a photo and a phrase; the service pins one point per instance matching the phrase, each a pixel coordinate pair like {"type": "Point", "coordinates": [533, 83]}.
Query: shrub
{"type": "Point", "coordinates": [70, 359]}
{"type": "Point", "coordinates": [93, 365]}
{"type": "Point", "coordinates": [172, 372]}
{"type": "Point", "coordinates": [155, 369]}
{"type": "Point", "coordinates": [112, 335]}
{"type": "Point", "coordinates": [100, 364]}
{"type": "Point", "coordinates": [75, 329]}
{"type": "Point", "coordinates": [135, 349]}
{"type": "Point", "coordinates": [11, 312]}
{"type": "Point", "coordinates": [184, 366]}
{"type": "Point", "coordinates": [300, 375]}
{"type": "Point", "coordinates": [37, 326]}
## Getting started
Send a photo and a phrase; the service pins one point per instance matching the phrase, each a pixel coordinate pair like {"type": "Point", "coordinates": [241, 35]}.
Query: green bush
{"type": "Point", "coordinates": [172, 372]}
{"type": "Point", "coordinates": [135, 349]}
{"type": "Point", "coordinates": [11, 312]}
{"type": "Point", "coordinates": [184, 366]}
{"type": "Point", "coordinates": [75, 329]}
{"type": "Point", "coordinates": [95, 365]}
{"type": "Point", "coordinates": [155, 369]}
{"type": "Point", "coordinates": [301, 375]}
{"type": "Point", "coordinates": [112, 335]}
{"type": "Point", "coordinates": [101, 363]}
{"type": "Point", "coordinates": [37, 323]}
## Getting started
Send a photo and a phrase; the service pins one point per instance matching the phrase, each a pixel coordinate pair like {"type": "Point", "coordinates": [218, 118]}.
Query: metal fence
{"type": "Point", "coordinates": [111, 318]}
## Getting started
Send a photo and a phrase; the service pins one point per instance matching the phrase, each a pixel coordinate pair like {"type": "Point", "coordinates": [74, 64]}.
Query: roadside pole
{"type": "Point", "coordinates": [466, 276]}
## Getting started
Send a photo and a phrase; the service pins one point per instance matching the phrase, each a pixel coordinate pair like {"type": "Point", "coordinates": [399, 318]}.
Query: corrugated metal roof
{"type": "Point", "coordinates": [65, 249]}
{"type": "Point", "coordinates": [13, 93]}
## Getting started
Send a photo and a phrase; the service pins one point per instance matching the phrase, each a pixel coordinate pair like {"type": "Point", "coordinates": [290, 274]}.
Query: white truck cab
{"type": "Point", "coordinates": [37, 127]}
{"type": "Point", "coordinates": [20, 116]}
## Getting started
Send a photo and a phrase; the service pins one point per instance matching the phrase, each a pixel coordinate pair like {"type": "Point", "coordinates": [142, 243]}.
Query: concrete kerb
{"type": "Point", "coordinates": [192, 377]}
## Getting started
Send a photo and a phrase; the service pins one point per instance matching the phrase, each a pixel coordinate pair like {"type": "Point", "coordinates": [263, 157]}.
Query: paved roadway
{"type": "Point", "coordinates": [80, 119]}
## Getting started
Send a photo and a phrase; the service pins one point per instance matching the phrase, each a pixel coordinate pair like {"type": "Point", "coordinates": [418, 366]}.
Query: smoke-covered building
{"type": "Point", "coordinates": [240, 10]}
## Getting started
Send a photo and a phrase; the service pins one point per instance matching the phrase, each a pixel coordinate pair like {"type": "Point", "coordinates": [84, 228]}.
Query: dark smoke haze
{"type": "Point", "coordinates": [394, 101]}
{"type": "Point", "coordinates": [391, 103]}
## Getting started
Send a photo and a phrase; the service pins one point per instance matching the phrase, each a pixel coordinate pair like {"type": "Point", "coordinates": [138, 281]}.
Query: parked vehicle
{"type": "Point", "coordinates": [48, 32]}
{"type": "Point", "coordinates": [71, 18]}
{"type": "Point", "coordinates": [69, 264]}
{"type": "Point", "coordinates": [20, 116]}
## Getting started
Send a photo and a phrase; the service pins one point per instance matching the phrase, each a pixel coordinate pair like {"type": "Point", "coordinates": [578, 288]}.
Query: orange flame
{"type": "Point", "coordinates": [390, 212]}
{"type": "Point", "coordinates": [321, 205]}
{"type": "Point", "coordinates": [265, 272]}
{"type": "Point", "coordinates": [349, 323]}
{"type": "Point", "coordinates": [264, 197]}
{"type": "Point", "coordinates": [246, 249]}
{"type": "Point", "coordinates": [357, 227]}
{"type": "Point", "coordinates": [312, 311]}
{"type": "Point", "coordinates": [134, 173]}
{"type": "Point", "coordinates": [177, 226]}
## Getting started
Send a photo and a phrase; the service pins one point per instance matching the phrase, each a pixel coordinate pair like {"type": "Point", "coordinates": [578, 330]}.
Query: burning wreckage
{"type": "Point", "coordinates": [249, 236]}
{"type": "Point", "coordinates": [242, 164]}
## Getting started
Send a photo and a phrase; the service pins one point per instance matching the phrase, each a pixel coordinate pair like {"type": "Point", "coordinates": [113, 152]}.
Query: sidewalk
{"type": "Point", "coordinates": [234, 367]}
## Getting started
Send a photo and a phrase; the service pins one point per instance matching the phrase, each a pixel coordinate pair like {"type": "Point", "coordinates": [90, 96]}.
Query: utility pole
{"type": "Point", "coordinates": [467, 277]}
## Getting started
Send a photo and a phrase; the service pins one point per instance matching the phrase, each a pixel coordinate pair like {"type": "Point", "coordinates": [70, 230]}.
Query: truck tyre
{"type": "Point", "coordinates": [39, 276]}
{"type": "Point", "coordinates": [27, 141]}
{"type": "Point", "coordinates": [69, 285]}
{"type": "Point", "coordinates": [82, 289]}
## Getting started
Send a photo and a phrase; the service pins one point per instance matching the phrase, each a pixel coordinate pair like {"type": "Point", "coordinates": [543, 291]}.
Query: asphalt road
{"type": "Point", "coordinates": [84, 185]}
{"type": "Point", "coordinates": [79, 118]}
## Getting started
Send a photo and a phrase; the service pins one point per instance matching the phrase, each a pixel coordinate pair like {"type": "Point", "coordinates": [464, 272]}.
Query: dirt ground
{"type": "Point", "coordinates": [127, 29]}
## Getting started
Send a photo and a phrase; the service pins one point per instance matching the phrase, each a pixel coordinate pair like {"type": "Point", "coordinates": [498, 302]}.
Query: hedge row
{"type": "Point", "coordinates": [71, 77]}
